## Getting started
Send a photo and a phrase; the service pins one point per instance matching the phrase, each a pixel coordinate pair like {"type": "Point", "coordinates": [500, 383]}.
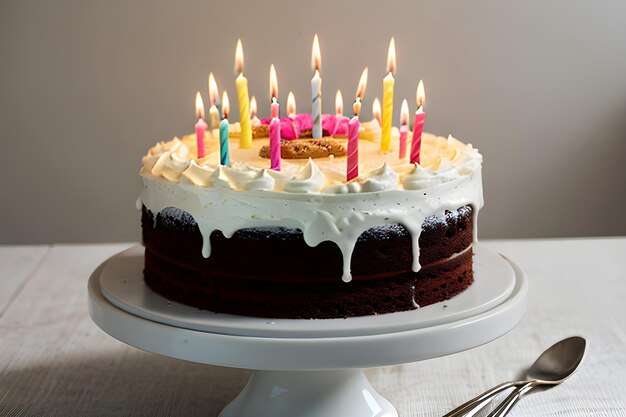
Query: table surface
{"type": "Point", "coordinates": [55, 361]}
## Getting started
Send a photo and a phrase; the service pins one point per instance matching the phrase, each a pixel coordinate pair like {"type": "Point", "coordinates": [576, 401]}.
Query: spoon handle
{"type": "Point", "coordinates": [487, 395]}
{"type": "Point", "coordinates": [505, 406]}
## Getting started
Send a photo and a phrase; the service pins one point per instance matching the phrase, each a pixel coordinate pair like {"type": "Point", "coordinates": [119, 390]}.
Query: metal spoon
{"type": "Point", "coordinates": [552, 367]}
{"type": "Point", "coordinates": [560, 362]}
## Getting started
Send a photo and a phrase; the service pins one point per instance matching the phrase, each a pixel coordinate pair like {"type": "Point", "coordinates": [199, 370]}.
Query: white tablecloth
{"type": "Point", "coordinates": [54, 361]}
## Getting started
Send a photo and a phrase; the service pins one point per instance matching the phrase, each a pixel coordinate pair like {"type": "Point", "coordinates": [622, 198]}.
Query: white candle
{"type": "Point", "coordinates": [316, 89]}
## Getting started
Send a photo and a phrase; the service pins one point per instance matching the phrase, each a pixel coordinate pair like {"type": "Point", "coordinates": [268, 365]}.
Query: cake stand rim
{"type": "Point", "coordinates": [323, 353]}
{"type": "Point", "coordinates": [122, 284]}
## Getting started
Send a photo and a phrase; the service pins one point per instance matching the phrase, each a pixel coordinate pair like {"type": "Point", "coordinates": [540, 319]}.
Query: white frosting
{"type": "Point", "coordinates": [261, 182]}
{"type": "Point", "coordinates": [419, 178]}
{"type": "Point", "coordinates": [310, 179]}
{"type": "Point", "coordinates": [381, 179]}
{"type": "Point", "coordinates": [312, 195]}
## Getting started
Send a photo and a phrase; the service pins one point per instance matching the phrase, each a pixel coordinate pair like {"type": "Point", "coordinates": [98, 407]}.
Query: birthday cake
{"type": "Point", "coordinates": [309, 215]}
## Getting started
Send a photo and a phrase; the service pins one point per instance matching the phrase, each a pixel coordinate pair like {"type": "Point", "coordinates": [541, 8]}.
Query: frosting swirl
{"type": "Point", "coordinates": [380, 180]}
{"type": "Point", "coordinates": [308, 180]}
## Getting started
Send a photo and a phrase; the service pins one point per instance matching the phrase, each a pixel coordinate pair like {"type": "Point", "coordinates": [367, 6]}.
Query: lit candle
{"type": "Point", "coordinates": [253, 110]}
{"type": "Point", "coordinates": [338, 112]}
{"type": "Point", "coordinates": [377, 112]}
{"type": "Point", "coordinates": [274, 107]}
{"type": "Point", "coordinates": [200, 126]}
{"type": "Point", "coordinates": [291, 106]}
{"type": "Point", "coordinates": [214, 114]}
{"type": "Point", "coordinates": [404, 128]}
{"type": "Point", "coordinates": [352, 160]}
{"type": "Point", "coordinates": [224, 156]}
{"type": "Point", "coordinates": [275, 123]}
{"type": "Point", "coordinates": [292, 130]}
{"type": "Point", "coordinates": [316, 89]}
{"type": "Point", "coordinates": [388, 82]}
{"type": "Point", "coordinates": [418, 124]}
{"type": "Point", "coordinates": [245, 137]}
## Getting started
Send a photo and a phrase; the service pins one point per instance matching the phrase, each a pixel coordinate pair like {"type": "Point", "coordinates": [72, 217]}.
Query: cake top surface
{"type": "Point", "coordinates": [442, 160]}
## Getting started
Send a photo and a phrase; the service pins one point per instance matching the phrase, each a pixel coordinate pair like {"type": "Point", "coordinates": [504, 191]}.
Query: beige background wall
{"type": "Point", "coordinates": [86, 87]}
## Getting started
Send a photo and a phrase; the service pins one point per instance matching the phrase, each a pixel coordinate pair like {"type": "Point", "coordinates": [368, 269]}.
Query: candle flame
{"type": "Point", "coordinates": [391, 57]}
{"type": "Point", "coordinates": [338, 102]}
{"type": "Point", "coordinates": [291, 104]}
{"type": "Point", "coordinates": [225, 105]}
{"type": "Point", "coordinates": [360, 91]}
{"type": "Point", "coordinates": [316, 55]}
{"type": "Point", "coordinates": [239, 58]}
{"type": "Point", "coordinates": [356, 107]}
{"type": "Point", "coordinates": [213, 93]}
{"type": "Point", "coordinates": [420, 96]}
{"type": "Point", "coordinates": [377, 111]}
{"type": "Point", "coordinates": [253, 109]}
{"type": "Point", "coordinates": [273, 83]}
{"type": "Point", "coordinates": [199, 106]}
{"type": "Point", "coordinates": [404, 113]}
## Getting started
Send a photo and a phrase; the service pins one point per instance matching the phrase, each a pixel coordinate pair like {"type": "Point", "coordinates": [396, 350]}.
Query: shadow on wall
{"type": "Point", "coordinates": [120, 383]}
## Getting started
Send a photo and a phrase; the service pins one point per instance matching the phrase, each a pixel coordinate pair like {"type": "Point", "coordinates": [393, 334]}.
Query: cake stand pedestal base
{"type": "Point", "coordinates": [309, 394]}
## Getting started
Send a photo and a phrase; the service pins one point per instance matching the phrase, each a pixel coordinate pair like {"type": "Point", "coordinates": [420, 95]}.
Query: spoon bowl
{"type": "Point", "coordinates": [559, 361]}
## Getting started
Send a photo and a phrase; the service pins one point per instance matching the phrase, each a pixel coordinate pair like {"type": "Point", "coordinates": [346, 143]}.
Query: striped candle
{"type": "Point", "coordinates": [245, 138]}
{"type": "Point", "coordinates": [275, 144]}
{"type": "Point", "coordinates": [352, 170]}
{"type": "Point", "coordinates": [418, 124]}
{"type": "Point", "coordinates": [275, 138]}
{"type": "Point", "coordinates": [352, 159]}
{"type": "Point", "coordinates": [388, 84]}
{"type": "Point", "coordinates": [224, 154]}
{"type": "Point", "coordinates": [316, 89]}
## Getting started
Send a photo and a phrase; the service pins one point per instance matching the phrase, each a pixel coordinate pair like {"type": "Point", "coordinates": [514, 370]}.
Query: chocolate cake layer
{"type": "Point", "coordinates": [272, 272]}
{"type": "Point", "coordinates": [303, 300]}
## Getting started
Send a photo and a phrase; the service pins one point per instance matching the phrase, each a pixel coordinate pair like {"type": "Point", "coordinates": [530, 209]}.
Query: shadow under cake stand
{"type": "Point", "coordinates": [309, 368]}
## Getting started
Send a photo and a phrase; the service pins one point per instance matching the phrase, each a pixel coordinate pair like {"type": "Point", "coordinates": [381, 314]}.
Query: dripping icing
{"type": "Point", "coordinates": [338, 218]}
{"type": "Point", "coordinates": [324, 208]}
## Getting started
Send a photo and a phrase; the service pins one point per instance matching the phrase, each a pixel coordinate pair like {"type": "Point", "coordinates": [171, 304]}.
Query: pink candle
{"type": "Point", "coordinates": [275, 144]}
{"type": "Point", "coordinates": [200, 126]}
{"type": "Point", "coordinates": [418, 124]}
{"type": "Point", "coordinates": [338, 112]}
{"type": "Point", "coordinates": [416, 142]}
{"type": "Point", "coordinates": [291, 117]}
{"type": "Point", "coordinates": [274, 109]}
{"type": "Point", "coordinates": [352, 167]}
{"type": "Point", "coordinates": [404, 128]}
{"type": "Point", "coordinates": [353, 148]}
{"type": "Point", "coordinates": [274, 123]}
{"type": "Point", "coordinates": [404, 131]}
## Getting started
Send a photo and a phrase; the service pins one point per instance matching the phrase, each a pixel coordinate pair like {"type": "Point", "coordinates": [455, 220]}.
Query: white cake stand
{"type": "Point", "coordinates": [306, 368]}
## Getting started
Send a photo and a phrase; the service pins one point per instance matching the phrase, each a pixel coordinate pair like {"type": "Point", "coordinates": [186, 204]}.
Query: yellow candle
{"type": "Point", "coordinates": [388, 83]}
{"type": "Point", "coordinates": [245, 138]}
